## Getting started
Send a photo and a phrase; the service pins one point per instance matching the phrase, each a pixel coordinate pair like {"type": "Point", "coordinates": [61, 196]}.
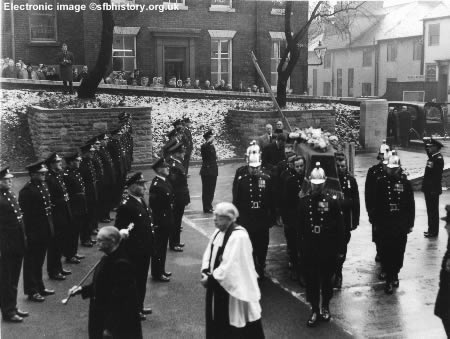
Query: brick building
{"type": "Point", "coordinates": [203, 39]}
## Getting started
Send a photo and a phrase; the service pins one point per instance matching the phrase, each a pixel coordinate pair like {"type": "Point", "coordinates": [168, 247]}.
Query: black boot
{"type": "Point", "coordinates": [325, 314]}
{"type": "Point", "coordinates": [313, 319]}
{"type": "Point", "coordinates": [388, 288]}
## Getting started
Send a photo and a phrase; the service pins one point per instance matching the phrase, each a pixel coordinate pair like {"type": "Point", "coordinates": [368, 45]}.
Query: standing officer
{"type": "Point", "coordinates": [393, 214]}
{"type": "Point", "coordinates": [293, 185]}
{"type": "Point", "coordinates": [208, 171]}
{"type": "Point", "coordinates": [277, 182]}
{"type": "Point", "coordinates": [253, 199]}
{"type": "Point", "coordinates": [115, 149]}
{"type": "Point", "coordinates": [36, 204]}
{"type": "Point", "coordinates": [99, 176]}
{"type": "Point", "coordinates": [78, 206]}
{"type": "Point", "coordinates": [373, 174]}
{"type": "Point", "coordinates": [139, 244]}
{"type": "Point", "coordinates": [161, 202]}
{"type": "Point", "coordinates": [109, 180]}
{"type": "Point", "coordinates": [350, 208]}
{"type": "Point", "coordinates": [321, 231]}
{"type": "Point", "coordinates": [87, 171]}
{"type": "Point", "coordinates": [432, 186]}
{"type": "Point", "coordinates": [189, 143]}
{"type": "Point", "coordinates": [12, 249]}
{"type": "Point", "coordinates": [178, 180]}
{"type": "Point", "coordinates": [61, 217]}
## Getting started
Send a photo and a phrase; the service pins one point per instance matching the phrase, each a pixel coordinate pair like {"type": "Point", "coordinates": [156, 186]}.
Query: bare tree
{"type": "Point", "coordinates": [89, 86]}
{"type": "Point", "coordinates": [322, 13]}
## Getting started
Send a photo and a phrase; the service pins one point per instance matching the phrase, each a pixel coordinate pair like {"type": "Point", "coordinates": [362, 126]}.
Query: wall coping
{"type": "Point", "coordinates": [75, 109]}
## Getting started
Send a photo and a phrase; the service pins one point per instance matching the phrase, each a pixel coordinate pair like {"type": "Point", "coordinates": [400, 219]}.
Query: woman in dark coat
{"type": "Point", "coordinates": [442, 307]}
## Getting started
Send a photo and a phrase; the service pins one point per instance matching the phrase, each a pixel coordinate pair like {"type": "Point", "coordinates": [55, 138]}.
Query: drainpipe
{"type": "Point", "coordinates": [13, 40]}
{"type": "Point", "coordinates": [376, 67]}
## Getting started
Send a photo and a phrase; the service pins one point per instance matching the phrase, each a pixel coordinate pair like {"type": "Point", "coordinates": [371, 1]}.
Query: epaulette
{"type": "Point", "coordinates": [264, 176]}
{"type": "Point", "coordinates": [242, 176]}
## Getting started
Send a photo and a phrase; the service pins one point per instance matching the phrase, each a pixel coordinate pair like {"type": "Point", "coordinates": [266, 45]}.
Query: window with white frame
{"type": "Point", "coordinates": [124, 52]}
{"type": "Point", "coordinates": [42, 23]}
{"type": "Point", "coordinates": [221, 61]}
{"type": "Point", "coordinates": [433, 34]}
{"type": "Point", "coordinates": [275, 57]}
{"type": "Point", "coordinates": [391, 51]}
{"type": "Point", "coordinates": [222, 6]}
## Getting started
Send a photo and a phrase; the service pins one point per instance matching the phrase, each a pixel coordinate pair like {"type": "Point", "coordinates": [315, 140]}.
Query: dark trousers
{"type": "Point", "coordinates": [392, 251]}
{"type": "Point", "coordinates": [260, 244]}
{"type": "Point", "coordinates": [90, 224]}
{"type": "Point", "coordinates": [141, 264]}
{"type": "Point", "coordinates": [174, 237]}
{"type": "Point", "coordinates": [432, 203]}
{"type": "Point", "coordinates": [340, 263]}
{"type": "Point", "coordinates": [208, 189]}
{"type": "Point", "coordinates": [10, 265]}
{"type": "Point", "coordinates": [54, 254]}
{"type": "Point", "coordinates": [291, 234]}
{"type": "Point", "coordinates": [159, 258]}
{"type": "Point", "coordinates": [32, 268]}
{"type": "Point", "coordinates": [105, 201]}
{"type": "Point", "coordinates": [71, 236]}
{"type": "Point", "coordinates": [186, 161]}
{"type": "Point", "coordinates": [65, 86]}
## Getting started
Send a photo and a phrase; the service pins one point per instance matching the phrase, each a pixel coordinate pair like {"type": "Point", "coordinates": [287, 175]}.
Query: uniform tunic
{"type": "Point", "coordinates": [432, 188]}
{"type": "Point", "coordinates": [88, 173]}
{"type": "Point", "coordinates": [208, 173]}
{"type": "Point", "coordinates": [373, 174]}
{"type": "Point", "coordinates": [12, 250]}
{"type": "Point", "coordinates": [189, 148]}
{"type": "Point", "coordinates": [109, 180]}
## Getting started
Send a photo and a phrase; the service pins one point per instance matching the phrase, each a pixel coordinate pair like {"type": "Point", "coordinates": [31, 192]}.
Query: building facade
{"type": "Point", "coordinates": [202, 39]}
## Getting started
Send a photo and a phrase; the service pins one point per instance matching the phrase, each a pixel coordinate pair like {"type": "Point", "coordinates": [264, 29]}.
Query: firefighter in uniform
{"type": "Point", "coordinates": [254, 201]}
{"type": "Point", "coordinates": [174, 137]}
{"type": "Point", "coordinates": [432, 186]}
{"type": "Point", "coordinates": [277, 182]}
{"type": "Point", "coordinates": [189, 143]}
{"type": "Point", "coordinates": [99, 176]}
{"type": "Point", "coordinates": [321, 232]}
{"type": "Point", "coordinates": [373, 174]}
{"type": "Point", "coordinates": [394, 214]}
{"type": "Point", "coordinates": [109, 180]}
{"type": "Point", "coordinates": [78, 205]}
{"type": "Point", "coordinates": [87, 171]}
{"type": "Point", "coordinates": [178, 180]}
{"type": "Point", "coordinates": [161, 201]}
{"type": "Point", "coordinates": [208, 171]}
{"type": "Point", "coordinates": [115, 149]}
{"type": "Point", "coordinates": [140, 243]}
{"type": "Point", "coordinates": [61, 217]}
{"type": "Point", "coordinates": [350, 208]}
{"type": "Point", "coordinates": [36, 204]}
{"type": "Point", "coordinates": [12, 249]}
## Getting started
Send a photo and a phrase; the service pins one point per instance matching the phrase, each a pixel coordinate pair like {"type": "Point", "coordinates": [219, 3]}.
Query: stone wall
{"type": "Point", "coordinates": [65, 130]}
{"type": "Point", "coordinates": [249, 125]}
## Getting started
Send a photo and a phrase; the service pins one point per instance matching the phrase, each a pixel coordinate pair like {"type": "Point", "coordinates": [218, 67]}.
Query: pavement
{"type": "Point", "coordinates": [360, 309]}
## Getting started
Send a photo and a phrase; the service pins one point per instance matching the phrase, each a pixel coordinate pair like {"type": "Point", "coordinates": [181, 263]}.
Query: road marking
{"type": "Point", "coordinates": [194, 226]}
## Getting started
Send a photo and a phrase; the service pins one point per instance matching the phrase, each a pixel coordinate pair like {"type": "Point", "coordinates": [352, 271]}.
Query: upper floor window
{"type": "Point", "coordinates": [327, 60]}
{"type": "Point", "coordinates": [42, 23]}
{"type": "Point", "coordinates": [222, 6]}
{"type": "Point", "coordinates": [391, 51]}
{"type": "Point", "coordinates": [180, 4]}
{"type": "Point", "coordinates": [124, 52]}
{"type": "Point", "coordinates": [433, 34]}
{"type": "Point", "coordinates": [367, 58]}
{"type": "Point", "coordinates": [417, 50]}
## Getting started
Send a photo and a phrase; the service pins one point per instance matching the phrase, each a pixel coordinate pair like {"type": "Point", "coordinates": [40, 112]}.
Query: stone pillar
{"type": "Point", "coordinates": [373, 119]}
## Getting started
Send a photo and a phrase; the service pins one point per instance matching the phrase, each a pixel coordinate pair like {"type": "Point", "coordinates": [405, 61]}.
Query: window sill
{"type": "Point", "coordinates": [44, 44]}
{"type": "Point", "coordinates": [179, 7]}
{"type": "Point", "coordinates": [225, 9]}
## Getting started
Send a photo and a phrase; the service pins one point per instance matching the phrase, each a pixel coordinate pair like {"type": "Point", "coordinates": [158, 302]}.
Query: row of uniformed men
{"type": "Point", "coordinates": [54, 209]}
{"type": "Point", "coordinates": [318, 221]}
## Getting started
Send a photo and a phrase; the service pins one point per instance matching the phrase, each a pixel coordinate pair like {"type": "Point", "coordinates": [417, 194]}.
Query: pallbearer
{"type": "Point", "coordinates": [161, 202]}
{"type": "Point", "coordinates": [209, 171]}
{"type": "Point", "coordinates": [12, 248]}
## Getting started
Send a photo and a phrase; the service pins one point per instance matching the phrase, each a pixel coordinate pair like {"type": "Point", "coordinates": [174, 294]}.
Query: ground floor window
{"type": "Point", "coordinates": [327, 89]}
{"type": "Point", "coordinates": [124, 52]}
{"type": "Point", "coordinates": [275, 57]}
{"type": "Point", "coordinates": [366, 89]}
{"type": "Point", "coordinates": [221, 60]}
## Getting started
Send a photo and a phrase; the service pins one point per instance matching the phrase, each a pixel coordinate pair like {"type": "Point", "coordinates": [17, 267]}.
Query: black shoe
{"type": "Point", "coordinates": [313, 319]}
{"type": "Point", "coordinates": [388, 288]}
{"type": "Point", "coordinates": [167, 274]}
{"type": "Point", "coordinates": [161, 278]}
{"type": "Point", "coordinates": [93, 241]}
{"type": "Point", "coordinates": [430, 235]}
{"type": "Point", "coordinates": [147, 310]}
{"type": "Point", "coordinates": [382, 275]}
{"type": "Point", "coordinates": [58, 276]}
{"type": "Point", "coordinates": [73, 260]}
{"type": "Point", "coordinates": [36, 297]}
{"type": "Point", "coordinates": [79, 256]}
{"type": "Point", "coordinates": [45, 292]}
{"type": "Point", "coordinates": [13, 318]}
{"type": "Point", "coordinates": [181, 244]}
{"type": "Point", "coordinates": [87, 244]}
{"type": "Point", "coordinates": [21, 313]}
{"type": "Point", "coordinates": [176, 249]}
{"type": "Point", "coordinates": [325, 314]}
{"type": "Point", "coordinates": [142, 316]}
{"type": "Point", "coordinates": [66, 272]}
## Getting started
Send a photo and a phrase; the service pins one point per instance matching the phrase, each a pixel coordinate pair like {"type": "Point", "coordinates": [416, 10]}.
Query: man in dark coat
{"type": "Point", "coordinates": [87, 171]}
{"type": "Point", "coordinates": [350, 208]}
{"type": "Point", "coordinates": [61, 217]}
{"type": "Point", "coordinates": [78, 206]}
{"type": "Point", "coordinates": [140, 243]}
{"type": "Point", "coordinates": [36, 204]}
{"type": "Point", "coordinates": [117, 155]}
{"type": "Point", "coordinates": [109, 179]}
{"type": "Point", "coordinates": [432, 186]}
{"type": "Point", "coordinates": [442, 306]}
{"type": "Point", "coordinates": [178, 180]}
{"type": "Point", "coordinates": [99, 176]}
{"type": "Point", "coordinates": [113, 307]}
{"type": "Point", "coordinates": [189, 143]}
{"type": "Point", "coordinates": [393, 214]}
{"type": "Point", "coordinates": [161, 201]}
{"type": "Point", "coordinates": [404, 118]}
{"type": "Point", "coordinates": [273, 153]}
{"type": "Point", "coordinates": [254, 200]}
{"type": "Point", "coordinates": [208, 171]}
{"type": "Point", "coordinates": [65, 61]}
{"type": "Point", "coordinates": [321, 233]}
{"type": "Point", "coordinates": [12, 249]}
